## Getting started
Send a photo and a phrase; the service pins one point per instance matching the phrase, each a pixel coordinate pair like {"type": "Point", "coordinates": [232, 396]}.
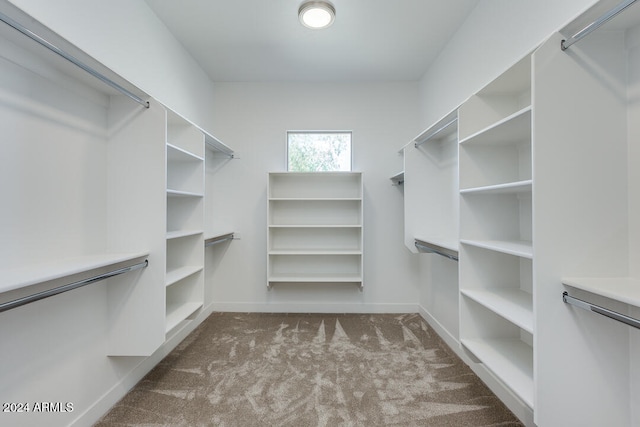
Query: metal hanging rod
{"type": "Point", "coordinates": [435, 249]}
{"type": "Point", "coordinates": [218, 239]}
{"type": "Point", "coordinates": [65, 288]}
{"type": "Point", "coordinates": [601, 310]}
{"type": "Point", "coordinates": [33, 36]}
{"type": "Point", "coordinates": [564, 44]}
{"type": "Point", "coordinates": [440, 129]}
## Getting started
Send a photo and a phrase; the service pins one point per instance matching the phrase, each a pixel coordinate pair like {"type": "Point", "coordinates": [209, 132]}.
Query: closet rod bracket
{"type": "Point", "coordinates": [630, 321]}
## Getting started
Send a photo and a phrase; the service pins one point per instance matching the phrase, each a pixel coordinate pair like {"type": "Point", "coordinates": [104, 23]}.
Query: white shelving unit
{"type": "Point", "coordinates": [184, 279]}
{"type": "Point", "coordinates": [315, 225]}
{"type": "Point", "coordinates": [496, 253]}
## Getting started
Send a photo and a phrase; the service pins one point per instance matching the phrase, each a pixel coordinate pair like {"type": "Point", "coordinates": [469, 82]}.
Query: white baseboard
{"type": "Point", "coordinates": [306, 307]}
{"type": "Point", "coordinates": [517, 406]}
{"type": "Point", "coordinates": [119, 390]}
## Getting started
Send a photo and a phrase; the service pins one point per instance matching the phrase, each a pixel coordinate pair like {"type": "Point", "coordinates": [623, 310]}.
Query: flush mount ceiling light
{"type": "Point", "coordinates": [316, 14]}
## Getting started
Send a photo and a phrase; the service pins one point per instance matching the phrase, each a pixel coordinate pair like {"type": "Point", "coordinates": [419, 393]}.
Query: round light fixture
{"type": "Point", "coordinates": [316, 14]}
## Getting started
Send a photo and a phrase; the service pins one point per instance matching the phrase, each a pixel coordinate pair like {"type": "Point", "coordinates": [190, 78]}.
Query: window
{"type": "Point", "coordinates": [318, 151]}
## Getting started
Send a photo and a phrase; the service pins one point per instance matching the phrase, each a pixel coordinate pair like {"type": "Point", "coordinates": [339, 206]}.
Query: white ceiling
{"type": "Point", "coordinates": [262, 40]}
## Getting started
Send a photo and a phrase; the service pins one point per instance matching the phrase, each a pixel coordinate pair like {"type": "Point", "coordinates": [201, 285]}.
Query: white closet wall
{"type": "Point", "coordinates": [586, 223]}
{"type": "Point", "coordinates": [431, 218]}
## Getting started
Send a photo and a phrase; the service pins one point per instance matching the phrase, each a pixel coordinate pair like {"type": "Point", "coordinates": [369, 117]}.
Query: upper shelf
{"type": "Point", "coordinates": [443, 129]}
{"type": "Point", "coordinates": [510, 130]}
{"type": "Point", "coordinates": [623, 289]}
{"type": "Point", "coordinates": [18, 278]}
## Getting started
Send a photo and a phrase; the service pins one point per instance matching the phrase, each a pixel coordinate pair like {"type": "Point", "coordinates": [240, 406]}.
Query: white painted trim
{"type": "Point", "coordinates": [119, 390]}
{"type": "Point", "coordinates": [305, 307]}
{"type": "Point", "coordinates": [517, 406]}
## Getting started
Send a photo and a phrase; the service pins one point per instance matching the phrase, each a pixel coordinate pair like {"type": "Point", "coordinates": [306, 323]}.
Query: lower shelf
{"type": "Point", "coordinates": [179, 312]}
{"type": "Point", "coordinates": [511, 360]}
{"type": "Point", "coordinates": [521, 248]}
{"type": "Point", "coordinates": [317, 278]}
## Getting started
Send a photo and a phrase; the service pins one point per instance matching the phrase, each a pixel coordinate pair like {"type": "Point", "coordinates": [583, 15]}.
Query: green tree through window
{"type": "Point", "coordinates": [319, 151]}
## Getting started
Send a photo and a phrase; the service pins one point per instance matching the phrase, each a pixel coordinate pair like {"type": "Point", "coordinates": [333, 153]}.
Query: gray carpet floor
{"type": "Point", "coordinates": [311, 370]}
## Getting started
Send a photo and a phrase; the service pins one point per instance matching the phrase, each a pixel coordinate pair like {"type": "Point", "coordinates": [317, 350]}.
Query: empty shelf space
{"type": "Point", "coordinates": [176, 313]}
{"type": "Point", "coordinates": [507, 188]}
{"type": "Point", "coordinates": [514, 305]}
{"type": "Point", "coordinates": [509, 130]}
{"type": "Point", "coordinates": [44, 272]}
{"type": "Point", "coordinates": [177, 154]}
{"type": "Point", "coordinates": [519, 248]}
{"type": "Point", "coordinates": [314, 252]}
{"type": "Point", "coordinates": [180, 273]}
{"type": "Point", "coordinates": [178, 193]}
{"type": "Point", "coordinates": [510, 360]}
{"type": "Point", "coordinates": [315, 278]}
{"type": "Point", "coordinates": [623, 289]}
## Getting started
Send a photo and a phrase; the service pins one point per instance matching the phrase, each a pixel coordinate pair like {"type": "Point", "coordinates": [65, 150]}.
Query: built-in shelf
{"type": "Point", "coordinates": [34, 274]}
{"type": "Point", "coordinates": [177, 154]}
{"type": "Point", "coordinates": [180, 273]}
{"type": "Point", "coordinates": [180, 312]}
{"type": "Point", "coordinates": [177, 193]}
{"type": "Point", "coordinates": [509, 359]}
{"type": "Point", "coordinates": [315, 252]}
{"type": "Point", "coordinates": [317, 278]}
{"type": "Point", "coordinates": [522, 249]}
{"type": "Point", "coordinates": [182, 233]}
{"type": "Point", "coordinates": [514, 305]}
{"type": "Point", "coordinates": [314, 227]}
{"type": "Point", "coordinates": [506, 131]}
{"type": "Point", "coordinates": [496, 228]}
{"type": "Point", "coordinates": [623, 289]}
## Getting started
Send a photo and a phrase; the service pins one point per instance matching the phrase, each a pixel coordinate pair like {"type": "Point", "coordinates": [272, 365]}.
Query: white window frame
{"type": "Point", "coordinates": [320, 132]}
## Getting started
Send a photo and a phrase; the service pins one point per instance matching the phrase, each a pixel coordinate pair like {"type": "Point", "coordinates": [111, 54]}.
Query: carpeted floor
{"type": "Point", "coordinates": [311, 370]}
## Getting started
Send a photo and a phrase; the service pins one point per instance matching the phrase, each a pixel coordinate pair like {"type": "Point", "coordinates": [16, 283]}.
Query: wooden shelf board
{"type": "Point", "coordinates": [623, 289]}
{"type": "Point", "coordinates": [43, 272]}
{"type": "Point", "coordinates": [176, 313]}
{"type": "Point", "coordinates": [180, 273]}
{"type": "Point", "coordinates": [519, 248]}
{"type": "Point", "coordinates": [510, 130]}
{"type": "Point", "coordinates": [511, 360]}
{"type": "Point", "coordinates": [514, 305]}
{"type": "Point", "coordinates": [517, 187]}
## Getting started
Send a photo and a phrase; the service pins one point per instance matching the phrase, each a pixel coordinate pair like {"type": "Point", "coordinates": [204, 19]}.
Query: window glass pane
{"type": "Point", "coordinates": [318, 151]}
